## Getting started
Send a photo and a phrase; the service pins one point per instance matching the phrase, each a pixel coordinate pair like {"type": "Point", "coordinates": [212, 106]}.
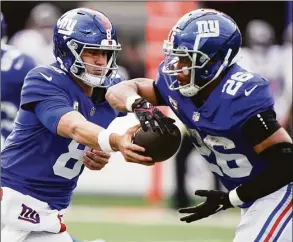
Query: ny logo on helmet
{"type": "Point", "coordinates": [208, 28]}
{"type": "Point", "coordinates": [66, 25]}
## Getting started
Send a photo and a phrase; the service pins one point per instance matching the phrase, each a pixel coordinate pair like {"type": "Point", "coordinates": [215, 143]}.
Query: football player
{"type": "Point", "coordinates": [14, 67]}
{"type": "Point", "coordinates": [60, 127]}
{"type": "Point", "coordinates": [230, 115]}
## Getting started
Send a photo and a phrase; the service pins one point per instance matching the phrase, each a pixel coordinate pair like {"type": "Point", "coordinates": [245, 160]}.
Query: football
{"type": "Point", "coordinates": [158, 146]}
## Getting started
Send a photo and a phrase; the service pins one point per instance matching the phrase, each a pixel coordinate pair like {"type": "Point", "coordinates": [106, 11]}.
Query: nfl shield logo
{"type": "Point", "coordinates": [195, 116]}
{"type": "Point", "coordinates": [75, 105]}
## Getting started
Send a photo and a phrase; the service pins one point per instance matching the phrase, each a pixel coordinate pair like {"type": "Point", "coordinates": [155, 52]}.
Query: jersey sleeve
{"type": "Point", "coordinates": [252, 99]}
{"type": "Point", "coordinates": [38, 86]}
{"type": "Point", "coordinates": [122, 114]}
{"type": "Point", "coordinates": [49, 112]}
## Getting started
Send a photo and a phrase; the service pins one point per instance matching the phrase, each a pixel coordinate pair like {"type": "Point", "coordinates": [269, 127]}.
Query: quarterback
{"type": "Point", "coordinates": [61, 127]}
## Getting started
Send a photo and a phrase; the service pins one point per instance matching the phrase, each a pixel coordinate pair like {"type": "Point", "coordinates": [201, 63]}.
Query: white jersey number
{"type": "Point", "coordinates": [60, 168]}
{"type": "Point", "coordinates": [2, 142]}
{"type": "Point", "coordinates": [206, 148]}
{"type": "Point", "coordinates": [9, 57]}
{"type": "Point", "coordinates": [10, 111]}
{"type": "Point", "coordinates": [7, 122]}
{"type": "Point", "coordinates": [233, 84]}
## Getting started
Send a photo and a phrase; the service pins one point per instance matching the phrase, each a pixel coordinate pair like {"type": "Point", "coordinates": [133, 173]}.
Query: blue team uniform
{"type": "Point", "coordinates": [14, 67]}
{"type": "Point", "coordinates": [36, 161]}
{"type": "Point", "coordinates": [215, 127]}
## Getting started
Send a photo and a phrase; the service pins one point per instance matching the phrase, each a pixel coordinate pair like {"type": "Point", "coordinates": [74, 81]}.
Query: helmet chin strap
{"type": "Point", "coordinates": [191, 89]}
{"type": "Point", "coordinates": [91, 80]}
{"type": "Point", "coordinates": [94, 80]}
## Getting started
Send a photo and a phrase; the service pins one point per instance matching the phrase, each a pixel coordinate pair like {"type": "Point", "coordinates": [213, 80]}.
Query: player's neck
{"type": "Point", "coordinates": [204, 94]}
{"type": "Point", "coordinates": [86, 89]}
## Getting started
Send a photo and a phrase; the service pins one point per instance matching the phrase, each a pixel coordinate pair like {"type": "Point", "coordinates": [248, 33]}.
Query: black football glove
{"type": "Point", "coordinates": [216, 201]}
{"type": "Point", "coordinates": [145, 112]}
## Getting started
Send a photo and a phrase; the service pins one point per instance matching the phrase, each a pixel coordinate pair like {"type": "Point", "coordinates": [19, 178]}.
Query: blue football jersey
{"type": "Point", "coordinates": [38, 162]}
{"type": "Point", "coordinates": [14, 67]}
{"type": "Point", "coordinates": [215, 127]}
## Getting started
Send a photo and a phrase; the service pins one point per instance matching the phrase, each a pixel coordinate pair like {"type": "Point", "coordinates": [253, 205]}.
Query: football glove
{"type": "Point", "coordinates": [145, 112]}
{"type": "Point", "coordinates": [215, 201]}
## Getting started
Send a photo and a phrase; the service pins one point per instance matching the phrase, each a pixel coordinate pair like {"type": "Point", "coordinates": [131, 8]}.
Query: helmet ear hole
{"type": "Point", "coordinates": [214, 59]}
{"type": "Point", "coordinates": [74, 69]}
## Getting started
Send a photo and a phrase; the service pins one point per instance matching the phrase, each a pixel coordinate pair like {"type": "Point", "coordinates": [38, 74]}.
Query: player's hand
{"type": "Point", "coordinates": [145, 112]}
{"type": "Point", "coordinates": [215, 201]}
{"type": "Point", "coordinates": [96, 159]}
{"type": "Point", "coordinates": [131, 151]}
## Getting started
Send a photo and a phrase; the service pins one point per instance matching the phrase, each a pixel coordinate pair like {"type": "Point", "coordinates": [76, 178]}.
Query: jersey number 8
{"type": "Point", "coordinates": [60, 167]}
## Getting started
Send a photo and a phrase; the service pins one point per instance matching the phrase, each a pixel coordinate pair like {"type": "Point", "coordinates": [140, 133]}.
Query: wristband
{"type": "Point", "coordinates": [130, 100]}
{"type": "Point", "coordinates": [234, 198]}
{"type": "Point", "coordinates": [104, 140]}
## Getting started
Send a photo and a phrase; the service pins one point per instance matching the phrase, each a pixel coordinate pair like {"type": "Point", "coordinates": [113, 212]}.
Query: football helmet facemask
{"type": "Point", "coordinates": [210, 40]}
{"type": "Point", "coordinates": [81, 29]}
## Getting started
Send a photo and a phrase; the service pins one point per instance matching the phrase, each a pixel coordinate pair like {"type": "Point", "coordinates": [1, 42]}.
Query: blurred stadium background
{"type": "Point", "coordinates": [131, 203]}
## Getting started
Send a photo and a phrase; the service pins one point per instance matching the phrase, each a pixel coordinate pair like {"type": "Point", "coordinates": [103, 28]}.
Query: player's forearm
{"type": "Point", "coordinates": [274, 146]}
{"type": "Point", "coordinates": [277, 173]}
{"type": "Point", "coordinates": [86, 133]}
{"type": "Point", "coordinates": [73, 125]}
{"type": "Point", "coordinates": [95, 136]}
{"type": "Point", "coordinates": [119, 94]}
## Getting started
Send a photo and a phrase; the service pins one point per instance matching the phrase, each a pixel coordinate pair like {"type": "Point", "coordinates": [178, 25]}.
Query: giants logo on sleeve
{"type": "Point", "coordinates": [29, 215]}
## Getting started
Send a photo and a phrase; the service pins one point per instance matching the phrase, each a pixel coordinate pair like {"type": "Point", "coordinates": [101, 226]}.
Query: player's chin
{"type": "Point", "coordinates": [183, 79]}
{"type": "Point", "coordinates": [98, 72]}
{"type": "Point", "coordinates": [182, 84]}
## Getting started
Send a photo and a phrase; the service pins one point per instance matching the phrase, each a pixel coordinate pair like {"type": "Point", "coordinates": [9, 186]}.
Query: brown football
{"type": "Point", "coordinates": [158, 146]}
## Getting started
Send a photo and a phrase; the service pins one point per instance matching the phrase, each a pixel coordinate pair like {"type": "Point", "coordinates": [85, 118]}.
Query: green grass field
{"type": "Point", "coordinates": [118, 219]}
{"type": "Point", "coordinates": [119, 232]}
